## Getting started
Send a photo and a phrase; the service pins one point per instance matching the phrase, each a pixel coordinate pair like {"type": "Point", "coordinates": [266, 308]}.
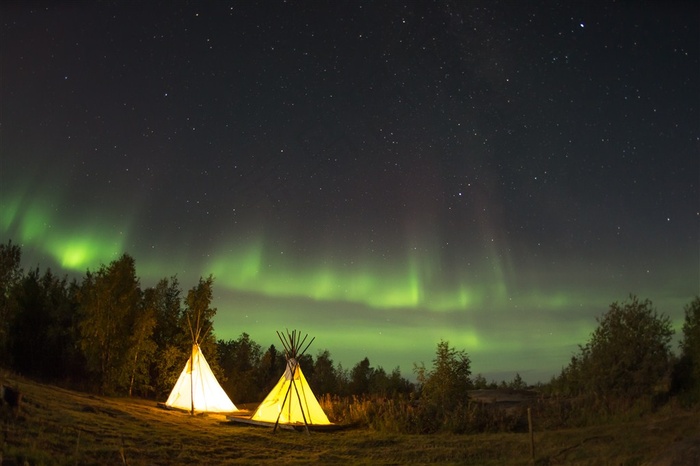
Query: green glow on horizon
{"type": "Point", "coordinates": [79, 253]}
{"type": "Point", "coordinates": [75, 248]}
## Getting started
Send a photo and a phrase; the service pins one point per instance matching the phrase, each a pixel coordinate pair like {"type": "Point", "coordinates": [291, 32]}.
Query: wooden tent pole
{"type": "Point", "coordinates": [307, 346]}
{"type": "Point", "coordinates": [194, 341]}
{"type": "Point", "coordinates": [192, 380]}
{"type": "Point", "coordinates": [283, 402]}
{"type": "Point", "coordinates": [301, 405]}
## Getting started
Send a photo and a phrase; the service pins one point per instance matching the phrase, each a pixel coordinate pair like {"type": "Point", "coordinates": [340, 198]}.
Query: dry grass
{"type": "Point", "coordinates": [57, 426]}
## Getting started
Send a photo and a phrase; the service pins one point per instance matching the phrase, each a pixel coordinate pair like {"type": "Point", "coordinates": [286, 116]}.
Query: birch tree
{"type": "Point", "coordinates": [109, 299]}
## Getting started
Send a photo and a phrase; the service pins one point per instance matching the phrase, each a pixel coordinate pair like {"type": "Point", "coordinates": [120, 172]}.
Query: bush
{"type": "Point", "coordinates": [405, 415]}
{"type": "Point", "coordinates": [627, 358]}
{"type": "Point", "coordinates": [687, 370]}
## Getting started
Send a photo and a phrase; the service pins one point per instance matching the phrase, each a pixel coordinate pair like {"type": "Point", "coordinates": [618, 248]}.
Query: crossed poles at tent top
{"type": "Point", "coordinates": [292, 346]}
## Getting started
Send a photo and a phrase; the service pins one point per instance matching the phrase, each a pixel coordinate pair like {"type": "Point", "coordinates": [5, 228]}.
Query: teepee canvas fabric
{"type": "Point", "coordinates": [291, 401]}
{"type": "Point", "coordinates": [197, 382]}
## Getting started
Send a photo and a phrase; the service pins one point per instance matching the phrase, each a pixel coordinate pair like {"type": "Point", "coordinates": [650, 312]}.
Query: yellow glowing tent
{"type": "Point", "coordinates": [291, 401]}
{"type": "Point", "coordinates": [197, 388]}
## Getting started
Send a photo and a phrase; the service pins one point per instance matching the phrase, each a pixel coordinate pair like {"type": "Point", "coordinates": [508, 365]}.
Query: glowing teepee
{"type": "Point", "coordinates": [197, 388]}
{"type": "Point", "coordinates": [291, 401]}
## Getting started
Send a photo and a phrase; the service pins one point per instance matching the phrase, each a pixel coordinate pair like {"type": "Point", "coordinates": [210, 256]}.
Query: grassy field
{"type": "Point", "coordinates": [57, 426]}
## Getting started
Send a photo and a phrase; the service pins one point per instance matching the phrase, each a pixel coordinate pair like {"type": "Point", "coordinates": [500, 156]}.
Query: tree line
{"type": "Point", "coordinates": [107, 334]}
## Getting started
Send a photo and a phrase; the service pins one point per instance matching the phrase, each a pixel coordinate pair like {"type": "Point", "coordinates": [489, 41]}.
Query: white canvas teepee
{"type": "Point", "coordinates": [291, 401]}
{"type": "Point", "coordinates": [197, 388]}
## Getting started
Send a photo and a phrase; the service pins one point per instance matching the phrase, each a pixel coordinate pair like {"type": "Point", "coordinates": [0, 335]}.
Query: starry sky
{"type": "Point", "coordinates": [381, 175]}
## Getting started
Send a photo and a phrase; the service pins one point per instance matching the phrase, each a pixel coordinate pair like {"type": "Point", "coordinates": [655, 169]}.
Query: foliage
{"type": "Point", "coordinates": [389, 385]}
{"type": "Point", "coordinates": [30, 324]}
{"type": "Point", "coordinates": [165, 299]}
{"type": "Point", "coordinates": [359, 377]}
{"type": "Point", "coordinates": [239, 360]}
{"type": "Point", "coordinates": [110, 301]}
{"type": "Point", "coordinates": [10, 276]}
{"type": "Point", "coordinates": [324, 378]}
{"type": "Point", "coordinates": [168, 366]}
{"type": "Point", "coordinates": [447, 384]}
{"type": "Point", "coordinates": [687, 370]}
{"type": "Point", "coordinates": [270, 368]}
{"type": "Point", "coordinates": [46, 318]}
{"type": "Point", "coordinates": [402, 414]}
{"type": "Point", "coordinates": [306, 363]}
{"type": "Point", "coordinates": [171, 344]}
{"type": "Point", "coordinates": [141, 347]}
{"type": "Point", "coordinates": [517, 383]}
{"type": "Point", "coordinates": [198, 315]}
{"type": "Point", "coordinates": [627, 357]}
{"type": "Point", "coordinates": [197, 322]}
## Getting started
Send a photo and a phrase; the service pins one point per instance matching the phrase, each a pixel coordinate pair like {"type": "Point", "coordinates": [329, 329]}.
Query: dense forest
{"type": "Point", "coordinates": [106, 334]}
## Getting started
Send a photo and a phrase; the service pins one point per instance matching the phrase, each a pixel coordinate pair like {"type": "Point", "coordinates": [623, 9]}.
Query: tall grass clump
{"type": "Point", "coordinates": [409, 415]}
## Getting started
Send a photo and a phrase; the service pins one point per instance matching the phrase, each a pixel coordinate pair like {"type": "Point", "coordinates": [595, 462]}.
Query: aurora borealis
{"type": "Point", "coordinates": [381, 175]}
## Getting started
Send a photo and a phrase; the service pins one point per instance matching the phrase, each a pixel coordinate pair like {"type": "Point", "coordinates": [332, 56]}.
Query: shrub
{"type": "Point", "coordinates": [627, 357]}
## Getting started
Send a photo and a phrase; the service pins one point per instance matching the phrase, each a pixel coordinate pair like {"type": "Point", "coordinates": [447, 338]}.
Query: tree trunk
{"type": "Point", "coordinates": [133, 374]}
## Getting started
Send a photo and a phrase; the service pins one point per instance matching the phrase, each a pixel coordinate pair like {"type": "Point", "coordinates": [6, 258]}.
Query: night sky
{"type": "Point", "coordinates": [380, 175]}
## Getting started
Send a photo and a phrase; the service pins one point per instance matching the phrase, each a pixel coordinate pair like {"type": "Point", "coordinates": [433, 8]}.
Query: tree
{"type": "Point", "coordinates": [42, 328]}
{"type": "Point", "coordinates": [29, 325]}
{"type": "Point", "coordinates": [239, 360]}
{"type": "Point", "coordinates": [10, 275]}
{"type": "Point", "coordinates": [398, 384]}
{"type": "Point", "coordinates": [688, 367]}
{"type": "Point", "coordinates": [324, 379]}
{"type": "Point", "coordinates": [168, 366]}
{"type": "Point", "coordinates": [272, 365]}
{"type": "Point", "coordinates": [360, 376]}
{"type": "Point", "coordinates": [629, 352]}
{"type": "Point", "coordinates": [379, 382]}
{"type": "Point", "coordinates": [109, 300]}
{"type": "Point", "coordinates": [198, 314]}
{"type": "Point", "coordinates": [388, 385]}
{"type": "Point", "coordinates": [198, 317]}
{"type": "Point", "coordinates": [69, 322]}
{"type": "Point", "coordinates": [168, 335]}
{"type": "Point", "coordinates": [165, 298]}
{"type": "Point", "coordinates": [517, 383]}
{"type": "Point", "coordinates": [343, 377]}
{"type": "Point", "coordinates": [571, 379]}
{"type": "Point", "coordinates": [448, 382]}
{"type": "Point", "coordinates": [142, 348]}
{"type": "Point", "coordinates": [306, 364]}
{"type": "Point", "coordinates": [480, 382]}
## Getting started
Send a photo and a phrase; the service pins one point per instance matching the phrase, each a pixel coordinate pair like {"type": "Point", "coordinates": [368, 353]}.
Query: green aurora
{"type": "Point", "coordinates": [393, 311]}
